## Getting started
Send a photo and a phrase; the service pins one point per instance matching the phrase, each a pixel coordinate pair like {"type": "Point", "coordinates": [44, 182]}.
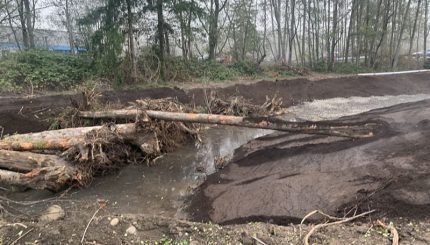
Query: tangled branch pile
{"type": "Point", "coordinates": [93, 151]}
{"type": "Point", "coordinates": [239, 106]}
{"type": "Point", "coordinates": [169, 135]}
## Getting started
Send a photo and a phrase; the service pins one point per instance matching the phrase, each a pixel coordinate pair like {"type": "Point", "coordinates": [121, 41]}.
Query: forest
{"type": "Point", "coordinates": [133, 41]}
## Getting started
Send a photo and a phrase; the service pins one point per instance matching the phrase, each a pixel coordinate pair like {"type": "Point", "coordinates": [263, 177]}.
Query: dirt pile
{"type": "Point", "coordinates": [32, 114]}
{"type": "Point", "coordinates": [282, 177]}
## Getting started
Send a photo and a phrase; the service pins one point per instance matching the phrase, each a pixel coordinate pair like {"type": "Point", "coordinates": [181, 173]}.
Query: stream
{"type": "Point", "coordinates": [161, 189]}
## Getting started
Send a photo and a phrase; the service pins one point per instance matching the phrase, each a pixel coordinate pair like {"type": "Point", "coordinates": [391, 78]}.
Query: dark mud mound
{"type": "Point", "coordinates": [296, 91]}
{"type": "Point", "coordinates": [34, 114]}
{"type": "Point", "coordinates": [282, 177]}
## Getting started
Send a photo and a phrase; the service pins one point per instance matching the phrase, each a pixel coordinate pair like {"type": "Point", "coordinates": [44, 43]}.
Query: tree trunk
{"type": "Point", "coordinates": [161, 42]}
{"type": "Point", "coordinates": [402, 30]}
{"type": "Point", "coordinates": [414, 29]}
{"type": "Point", "coordinates": [61, 139]}
{"type": "Point", "coordinates": [24, 30]}
{"type": "Point", "coordinates": [29, 23]}
{"type": "Point", "coordinates": [35, 171]}
{"type": "Point", "coordinates": [24, 162]}
{"type": "Point", "coordinates": [9, 17]}
{"type": "Point", "coordinates": [356, 130]}
{"type": "Point", "coordinates": [426, 30]}
{"type": "Point", "coordinates": [69, 26]}
{"type": "Point", "coordinates": [333, 37]}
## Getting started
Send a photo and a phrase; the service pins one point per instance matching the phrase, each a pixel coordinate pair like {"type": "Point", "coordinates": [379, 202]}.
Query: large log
{"type": "Point", "coordinates": [63, 139]}
{"type": "Point", "coordinates": [24, 162]}
{"type": "Point", "coordinates": [36, 171]}
{"type": "Point", "coordinates": [353, 130]}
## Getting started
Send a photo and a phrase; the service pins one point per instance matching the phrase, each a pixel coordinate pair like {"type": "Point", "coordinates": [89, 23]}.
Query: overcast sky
{"type": "Point", "coordinates": [44, 21]}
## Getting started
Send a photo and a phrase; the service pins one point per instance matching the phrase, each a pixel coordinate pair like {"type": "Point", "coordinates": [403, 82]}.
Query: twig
{"type": "Point", "coordinates": [393, 231]}
{"type": "Point", "coordinates": [316, 212]}
{"type": "Point", "coordinates": [18, 224]}
{"type": "Point", "coordinates": [27, 203]}
{"type": "Point", "coordinates": [342, 221]}
{"type": "Point", "coordinates": [258, 240]}
{"type": "Point", "coordinates": [88, 225]}
{"type": "Point", "coordinates": [207, 101]}
{"type": "Point", "coordinates": [22, 236]}
{"type": "Point", "coordinates": [20, 111]}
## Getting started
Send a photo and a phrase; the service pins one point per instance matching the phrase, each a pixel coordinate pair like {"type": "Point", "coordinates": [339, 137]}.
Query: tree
{"type": "Point", "coordinates": [216, 6]}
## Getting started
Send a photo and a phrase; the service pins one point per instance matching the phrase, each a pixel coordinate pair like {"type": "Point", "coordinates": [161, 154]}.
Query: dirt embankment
{"type": "Point", "coordinates": [300, 173]}
{"type": "Point", "coordinates": [282, 177]}
{"type": "Point", "coordinates": [22, 115]}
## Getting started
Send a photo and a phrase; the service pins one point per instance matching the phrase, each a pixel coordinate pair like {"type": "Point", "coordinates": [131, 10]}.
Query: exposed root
{"type": "Point", "coordinates": [169, 135]}
{"type": "Point", "coordinates": [104, 151]}
{"type": "Point", "coordinates": [337, 222]}
{"type": "Point", "coordinates": [239, 106]}
{"type": "Point", "coordinates": [392, 230]}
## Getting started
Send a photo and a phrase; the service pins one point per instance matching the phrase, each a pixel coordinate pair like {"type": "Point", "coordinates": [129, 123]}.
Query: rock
{"type": "Point", "coordinates": [114, 221]}
{"type": "Point", "coordinates": [53, 213]}
{"type": "Point", "coordinates": [194, 243]}
{"type": "Point", "coordinates": [131, 230]}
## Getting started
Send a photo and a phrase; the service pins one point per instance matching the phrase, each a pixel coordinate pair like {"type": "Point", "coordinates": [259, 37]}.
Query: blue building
{"type": "Point", "coordinates": [56, 41]}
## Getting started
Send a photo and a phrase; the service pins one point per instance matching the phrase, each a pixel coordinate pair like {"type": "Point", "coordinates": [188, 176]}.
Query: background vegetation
{"type": "Point", "coordinates": [132, 42]}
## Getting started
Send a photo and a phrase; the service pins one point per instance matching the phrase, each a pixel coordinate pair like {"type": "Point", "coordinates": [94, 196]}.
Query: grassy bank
{"type": "Point", "coordinates": [37, 70]}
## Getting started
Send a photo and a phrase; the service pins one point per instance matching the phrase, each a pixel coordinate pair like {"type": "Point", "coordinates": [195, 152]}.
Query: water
{"type": "Point", "coordinates": [161, 189]}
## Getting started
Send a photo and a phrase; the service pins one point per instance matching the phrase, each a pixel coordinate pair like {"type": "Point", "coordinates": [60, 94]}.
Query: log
{"type": "Point", "coordinates": [63, 139]}
{"type": "Point", "coordinates": [24, 162]}
{"type": "Point", "coordinates": [333, 128]}
{"type": "Point", "coordinates": [36, 171]}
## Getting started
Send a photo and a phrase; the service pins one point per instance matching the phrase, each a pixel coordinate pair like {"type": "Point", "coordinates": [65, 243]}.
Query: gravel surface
{"type": "Point", "coordinates": [330, 109]}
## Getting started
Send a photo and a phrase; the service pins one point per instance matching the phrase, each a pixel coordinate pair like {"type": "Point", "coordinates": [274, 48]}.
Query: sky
{"type": "Point", "coordinates": [44, 13]}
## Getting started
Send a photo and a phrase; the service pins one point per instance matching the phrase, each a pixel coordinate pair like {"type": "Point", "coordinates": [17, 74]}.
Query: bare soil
{"type": "Point", "coordinates": [282, 177]}
{"type": "Point", "coordinates": [29, 114]}
{"type": "Point", "coordinates": [271, 182]}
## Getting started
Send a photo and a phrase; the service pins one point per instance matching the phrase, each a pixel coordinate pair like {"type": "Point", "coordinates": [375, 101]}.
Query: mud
{"type": "Point", "coordinates": [277, 178]}
{"type": "Point", "coordinates": [299, 90]}
{"type": "Point", "coordinates": [282, 177]}
{"type": "Point", "coordinates": [30, 114]}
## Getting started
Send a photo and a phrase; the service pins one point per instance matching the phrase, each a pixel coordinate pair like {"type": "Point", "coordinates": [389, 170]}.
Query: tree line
{"type": "Point", "coordinates": [309, 33]}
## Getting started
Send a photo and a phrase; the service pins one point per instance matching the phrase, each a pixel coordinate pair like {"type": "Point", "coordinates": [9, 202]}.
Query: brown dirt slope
{"type": "Point", "coordinates": [298, 90]}
{"type": "Point", "coordinates": [30, 114]}
{"type": "Point", "coordinates": [282, 177]}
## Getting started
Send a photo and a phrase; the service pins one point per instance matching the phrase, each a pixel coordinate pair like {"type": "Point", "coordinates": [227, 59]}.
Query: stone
{"type": "Point", "coordinates": [53, 213]}
{"type": "Point", "coordinates": [114, 222]}
{"type": "Point", "coordinates": [131, 230]}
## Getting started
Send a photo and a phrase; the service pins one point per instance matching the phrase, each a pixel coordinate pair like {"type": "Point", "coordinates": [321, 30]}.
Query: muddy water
{"type": "Point", "coordinates": [161, 190]}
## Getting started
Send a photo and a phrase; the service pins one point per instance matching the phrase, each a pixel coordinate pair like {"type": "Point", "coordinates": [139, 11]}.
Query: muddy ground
{"type": "Point", "coordinates": [272, 181]}
{"type": "Point", "coordinates": [28, 114]}
{"type": "Point", "coordinates": [281, 177]}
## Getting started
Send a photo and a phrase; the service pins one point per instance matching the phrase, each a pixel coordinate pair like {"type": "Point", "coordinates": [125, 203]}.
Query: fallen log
{"type": "Point", "coordinates": [333, 128]}
{"type": "Point", "coordinates": [36, 171]}
{"type": "Point", "coordinates": [24, 162]}
{"type": "Point", "coordinates": [64, 139]}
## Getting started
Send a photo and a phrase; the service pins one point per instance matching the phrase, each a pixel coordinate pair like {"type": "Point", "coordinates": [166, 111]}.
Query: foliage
{"type": "Point", "coordinates": [219, 72]}
{"type": "Point", "coordinates": [342, 68]}
{"type": "Point", "coordinates": [178, 69]}
{"type": "Point", "coordinates": [427, 64]}
{"type": "Point", "coordinates": [43, 70]}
